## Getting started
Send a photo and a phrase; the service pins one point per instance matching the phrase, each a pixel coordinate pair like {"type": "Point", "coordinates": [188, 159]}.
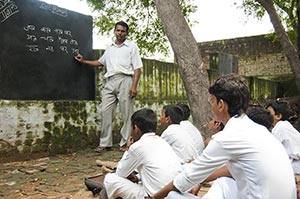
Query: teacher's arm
{"type": "Point", "coordinates": [94, 63]}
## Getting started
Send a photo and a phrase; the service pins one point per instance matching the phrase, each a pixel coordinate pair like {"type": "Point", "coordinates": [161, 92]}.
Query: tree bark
{"type": "Point", "coordinates": [189, 60]}
{"type": "Point", "coordinates": [287, 45]}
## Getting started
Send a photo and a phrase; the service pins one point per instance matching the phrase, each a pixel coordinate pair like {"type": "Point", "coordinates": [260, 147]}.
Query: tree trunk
{"type": "Point", "coordinates": [189, 60]}
{"type": "Point", "coordinates": [287, 46]}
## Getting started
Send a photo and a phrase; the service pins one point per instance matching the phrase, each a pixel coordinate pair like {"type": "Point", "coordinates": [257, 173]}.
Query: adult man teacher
{"type": "Point", "coordinates": [123, 63]}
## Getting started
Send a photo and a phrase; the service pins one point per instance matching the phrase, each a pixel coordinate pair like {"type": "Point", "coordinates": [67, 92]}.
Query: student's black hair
{"type": "Point", "coordinates": [280, 107]}
{"type": "Point", "coordinates": [261, 116]}
{"type": "Point", "coordinates": [174, 112]}
{"type": "Point", "coordinates": [122, 23]}
{"type": "Point", "coordinates": [186, 111]}
{"type": "Point", "coordinates": [145, 119]}
{"type": "Point", "coordinates": [232, 88]}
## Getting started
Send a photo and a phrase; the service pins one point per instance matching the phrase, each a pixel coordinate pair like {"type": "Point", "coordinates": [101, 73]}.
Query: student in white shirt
{"type": "Point", "coordinates": [255, 159]}
{"type": "Point", "coordinates": [152, 157]}
{"type": "Point", "coordinates": [192, 131]}
{"type": "Point", "coordinates": [284, 131]}
{"type": "Point", "coordinates": [175, 135]}
{"type": "Point", "coordinates": [224, 187]}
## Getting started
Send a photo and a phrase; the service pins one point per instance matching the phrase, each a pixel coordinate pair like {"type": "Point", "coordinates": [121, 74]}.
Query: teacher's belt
{"type": "Point", "coordinates": [119, 75]}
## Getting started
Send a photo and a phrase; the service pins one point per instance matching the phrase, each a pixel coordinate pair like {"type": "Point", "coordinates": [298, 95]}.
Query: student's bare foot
{"type": "Point", "coordinates": [105, 170]}
{"type": "Point", "coordinates": [101, 149]}
{"type": "Point", "coordinates": [124, 148]}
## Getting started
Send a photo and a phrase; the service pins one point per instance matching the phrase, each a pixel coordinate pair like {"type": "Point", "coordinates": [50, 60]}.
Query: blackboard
{"type": "Point", "coordinates": [38, 42]}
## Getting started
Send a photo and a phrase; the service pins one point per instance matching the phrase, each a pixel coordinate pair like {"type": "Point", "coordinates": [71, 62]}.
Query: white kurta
{"type": "Point", "coordinates": [180, 142]}
{"type": "Point", "coordinates": [290, 138]}
{"type": "Point", "coordinates": [195, 134]}
{"type": "Point", "coordinates": [156, 163]}
{"type": "Point", "coordinates": [254, 157]}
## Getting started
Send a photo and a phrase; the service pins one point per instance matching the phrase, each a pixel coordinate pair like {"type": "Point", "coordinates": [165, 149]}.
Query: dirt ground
{"type": "Point", "coordinates": [57, 177]}
{"type": "Point", "coordinates": [60, 176]}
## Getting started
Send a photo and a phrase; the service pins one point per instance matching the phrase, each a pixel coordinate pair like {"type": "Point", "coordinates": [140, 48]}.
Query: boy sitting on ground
{"type": "Point", "coordinates": [175, 135]}
{"type": "Point", "coordinates": [149, 155]}
{"type": "Point", "coordinates": [189, 127]}
{"type": "Point", "coordinates": [284, 131]}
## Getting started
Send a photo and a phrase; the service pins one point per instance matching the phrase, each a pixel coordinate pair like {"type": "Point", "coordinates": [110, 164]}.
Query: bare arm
{"type": "Point", "coordinates": [223, 171]}
{"type": "Point", "coordinates": [136, 77]}
{"type": "Point", "coordinates": [94, 63]}
{"type": "Point", "coordinates": [164, 191]}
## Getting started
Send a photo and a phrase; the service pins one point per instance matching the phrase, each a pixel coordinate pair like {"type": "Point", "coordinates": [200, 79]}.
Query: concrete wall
{"type": "Point", "coordinates": [50, 127]}
{"type": "Point", "coordinates": [34, 128]}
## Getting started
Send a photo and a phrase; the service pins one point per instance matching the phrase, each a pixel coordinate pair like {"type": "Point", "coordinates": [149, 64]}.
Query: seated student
{"type": "Point", "coordinates": [153, 158]}
{"type": "Point", "coordinates": [255, 159]}
{"type": "Point", "coordinates": [175, 135]}
{"type": "Point", "coordinates": [261, 116]}
{"type": "Point", "coordinates": [225, 187]}
{"type": "Point", "coordinates": [192, 131]}
{"type": "Point", "coordinates": [284, 131]}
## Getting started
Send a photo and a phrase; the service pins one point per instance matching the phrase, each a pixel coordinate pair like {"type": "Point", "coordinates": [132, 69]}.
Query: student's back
{"type": "Point", "coordinates": [151, 156]}
{"type": "Point", "coordinates": [192, 131]}
{"type": "Point", "coordinates": [155, 161]}
{"type": "Point", "coordinates": [181, 143]}
{"type": "Point", "coordinates": [177, 137]}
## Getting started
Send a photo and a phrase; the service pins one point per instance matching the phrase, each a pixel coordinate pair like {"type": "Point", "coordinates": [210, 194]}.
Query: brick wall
{"type": "Point", "coordinates": [258, 56]}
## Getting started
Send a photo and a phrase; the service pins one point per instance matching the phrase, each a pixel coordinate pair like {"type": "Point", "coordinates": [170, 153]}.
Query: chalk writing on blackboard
{"type": "Point", "coordinates": [75, 51]}
{"type": "Point", "coordinates": [62, 40]}
{"type": "Point", "coordinates": [64, 49]}
{"type": "Point", "coordinates": [48, 38]}
{"type": "Point", "coordinates": [59, 31]}
{"type": "Point", "coordinates": [50, 48]}
{"type": "Point", "coordinates": [74, 42]}
{"type": "Point", "coordinates": [46, 29]}
{"type": "Point", "coordinates": [29, 27]}
{"type": "Point", "coordinates": [7, 9]}
{"type": "Point", "coordinates": [67, 32]}
{"type": "Point", "coordinates": [31, 38]}
{"type": "Point", "coordinates": [54, 9]}
{"type": "Point", "coordinates": [33, 48]}
{"type": "Point", "coordinates": [63, 37]}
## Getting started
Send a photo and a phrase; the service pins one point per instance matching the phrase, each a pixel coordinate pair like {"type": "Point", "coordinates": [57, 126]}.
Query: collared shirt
{"type": "Point", "coordinates": [255, 158]}
{"type": "Point", "coordinates": [180, 142]}
{"type": "Point", "coordinates": [156, 162]}
{"type": "Point", "coordinates": [290, 138]}
{"type": "Point", "coordinates": [121, 59]}
{"type": "Point", "coordinates": [195, 134]}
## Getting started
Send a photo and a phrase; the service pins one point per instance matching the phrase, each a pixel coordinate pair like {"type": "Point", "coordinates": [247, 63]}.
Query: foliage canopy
{"type": "Point", "coordinates": [146, 27]}
{"type": "Point", "coordinates": [288, 11]}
